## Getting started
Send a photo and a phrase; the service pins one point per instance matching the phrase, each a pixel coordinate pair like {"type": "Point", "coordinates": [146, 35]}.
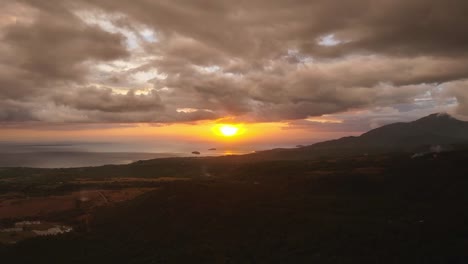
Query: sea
{"type": "Point", "coordinates": [85, 154]}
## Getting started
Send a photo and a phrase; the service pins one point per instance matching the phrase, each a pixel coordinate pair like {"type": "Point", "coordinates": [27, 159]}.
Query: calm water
{"type": "Point", "coordinates": [78, 154]}
{"type": "Point", "coordinates": [73, 159]}
{"type": "Point", "coordinates": [46, 156]}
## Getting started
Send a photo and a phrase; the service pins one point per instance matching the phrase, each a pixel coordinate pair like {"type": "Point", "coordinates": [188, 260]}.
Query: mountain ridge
{"type": "Point", "coordinates": [439, 129]}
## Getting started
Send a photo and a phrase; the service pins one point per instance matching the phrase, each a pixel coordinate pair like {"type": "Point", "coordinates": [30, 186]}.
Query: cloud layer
{"type": "Point", "coordinates": [177, 61]}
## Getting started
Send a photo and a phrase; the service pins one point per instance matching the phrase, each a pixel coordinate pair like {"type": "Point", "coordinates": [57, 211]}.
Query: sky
{"type": "Point", "coordinates": [162, 73]}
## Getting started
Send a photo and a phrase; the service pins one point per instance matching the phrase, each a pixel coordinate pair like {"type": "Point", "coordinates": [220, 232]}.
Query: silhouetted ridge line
{"type": "Point", "coordinates": [440, 129]}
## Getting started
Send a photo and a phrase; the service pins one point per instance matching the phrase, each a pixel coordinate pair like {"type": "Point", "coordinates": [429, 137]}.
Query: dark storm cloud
{"type": "Point", "coordinates": [258, 60]}
{"type": "Point", "coordinates": [104, 100]}
{"type": "Point", "coordinates": [260, 27]}
{"type": "Point", "coordinates": [51, 50]}
{"type": "Point", "coordinates": [402, 28]}
{"type": "Point", "coordinates": [15, 111]}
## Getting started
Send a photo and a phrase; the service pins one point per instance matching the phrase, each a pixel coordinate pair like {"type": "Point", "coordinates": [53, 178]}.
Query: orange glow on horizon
{"type": "Point", "coordinates": [202, 132]}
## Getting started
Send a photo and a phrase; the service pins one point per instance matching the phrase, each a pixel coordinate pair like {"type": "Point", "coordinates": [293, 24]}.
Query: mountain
{"type": "Point", "coordinates": [437, 130]}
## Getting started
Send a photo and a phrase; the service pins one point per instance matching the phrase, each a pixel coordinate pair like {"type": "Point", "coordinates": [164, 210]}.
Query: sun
{"type": "Point", "coordinates": [228, 130]}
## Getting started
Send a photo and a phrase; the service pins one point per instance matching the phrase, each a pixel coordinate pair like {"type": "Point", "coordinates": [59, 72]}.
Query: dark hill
{"type": "Point", "coordinates": [440, 130]}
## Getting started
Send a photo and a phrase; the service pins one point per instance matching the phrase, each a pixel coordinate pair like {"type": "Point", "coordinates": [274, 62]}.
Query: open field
{"type": "Point", "coordinates": [42, 206]}
{"type": "Point", "coordinates": [43, 196]}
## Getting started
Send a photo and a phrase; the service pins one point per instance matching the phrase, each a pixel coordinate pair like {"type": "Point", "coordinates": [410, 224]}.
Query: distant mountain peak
{"type": "Point", "coordinates": [437, 117]}
{"type": "Point", "coordinates": [443, 114]}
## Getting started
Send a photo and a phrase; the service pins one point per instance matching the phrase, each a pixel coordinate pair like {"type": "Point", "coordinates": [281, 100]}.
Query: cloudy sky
{"type": "Point", "coordinates": [303, 69]}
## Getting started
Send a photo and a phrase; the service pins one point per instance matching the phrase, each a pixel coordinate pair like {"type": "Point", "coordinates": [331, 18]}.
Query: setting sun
{"type": "Point", "coordinates": [228, 130]}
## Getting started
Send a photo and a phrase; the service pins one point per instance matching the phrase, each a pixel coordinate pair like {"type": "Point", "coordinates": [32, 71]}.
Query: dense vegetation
{"type": "Point", "coordinates": [364, 209]}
